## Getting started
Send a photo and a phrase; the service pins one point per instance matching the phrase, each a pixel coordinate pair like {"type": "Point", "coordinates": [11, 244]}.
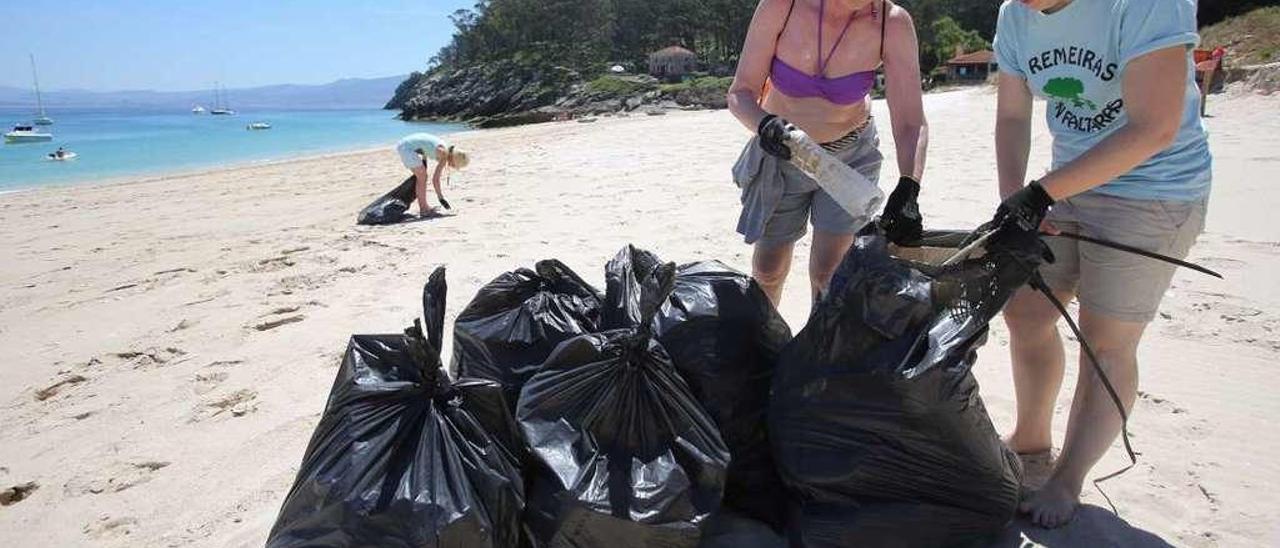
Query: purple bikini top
{"type": "Point", "coordinates": [843, 90]}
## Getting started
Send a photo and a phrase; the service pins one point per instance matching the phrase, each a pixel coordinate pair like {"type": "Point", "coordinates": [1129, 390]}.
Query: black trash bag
{"type": "Point", "coordinates": [516, 320]}
{"type": "Point", "coordinates": [724, 337]}
{"type": "Point", "coordinates": [727, 529]}
{"type": "Point", "coordinates": [391, 207]}
{"type": "Point", "coordinates": [404, 457]}
{"type": "Point", "coordinates": [626, 455]}
{"type": "Point", "coordinates": [876, 422]}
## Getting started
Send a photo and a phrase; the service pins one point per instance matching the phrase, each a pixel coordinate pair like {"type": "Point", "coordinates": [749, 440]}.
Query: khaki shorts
{"type": "Point", "coordinates": [1111, 282]}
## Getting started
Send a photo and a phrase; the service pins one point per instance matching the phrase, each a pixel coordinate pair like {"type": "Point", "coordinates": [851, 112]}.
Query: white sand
{"type": "Point", "coordinates": [184, 412]}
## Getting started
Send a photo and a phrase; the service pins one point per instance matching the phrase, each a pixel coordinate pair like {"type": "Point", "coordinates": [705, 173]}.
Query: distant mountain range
{"type": "Point", "coordinates": [345, 93]}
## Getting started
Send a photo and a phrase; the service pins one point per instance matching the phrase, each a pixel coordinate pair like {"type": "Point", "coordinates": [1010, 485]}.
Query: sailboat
{"type": "Point", "coordinates": [219, 109]}
{"type": "Point", "coordinates": [197, 110]}
{"type": "Point", "coordinates": [41, 118]}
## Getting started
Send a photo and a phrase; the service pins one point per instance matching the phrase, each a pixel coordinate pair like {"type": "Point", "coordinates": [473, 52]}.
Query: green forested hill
{"type": "Point", "coordinates": [517, 55]}
{"type": "Point", "coordinates": [582, 33]}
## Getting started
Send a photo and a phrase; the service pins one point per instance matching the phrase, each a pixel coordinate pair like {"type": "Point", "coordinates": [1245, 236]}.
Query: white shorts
{"type": "Point", "coordinates": [409, 157]}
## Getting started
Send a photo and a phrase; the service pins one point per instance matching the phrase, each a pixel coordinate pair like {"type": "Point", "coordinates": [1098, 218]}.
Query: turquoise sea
{"type": "Point", "coordinates": [131, 142]}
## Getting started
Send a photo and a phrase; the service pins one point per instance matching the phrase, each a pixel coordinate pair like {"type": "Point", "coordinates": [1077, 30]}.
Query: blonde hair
{"type": "Point", "coordinates": [458, 159]}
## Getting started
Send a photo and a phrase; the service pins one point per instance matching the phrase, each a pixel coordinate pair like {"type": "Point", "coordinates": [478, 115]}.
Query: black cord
{"type": "Point", "coordinates": [1136, 251]}
{"type": "Point", "coordinates": [1039, 284]}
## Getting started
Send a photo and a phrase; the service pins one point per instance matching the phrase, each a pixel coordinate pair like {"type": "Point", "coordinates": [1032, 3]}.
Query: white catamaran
{"type": "Point", "coordinates": [41, 118]}
{"type": "Point", "coordinates": [27, 134]}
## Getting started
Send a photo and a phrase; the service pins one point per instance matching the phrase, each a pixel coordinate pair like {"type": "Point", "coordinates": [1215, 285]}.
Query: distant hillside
{"type": "Point", "coordinates": [346, 93]}
{"type": "Point", "coordinates": [1250, 39]}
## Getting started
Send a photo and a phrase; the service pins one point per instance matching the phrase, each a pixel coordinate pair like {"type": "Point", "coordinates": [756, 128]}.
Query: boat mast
{"type": "Point", "coordinates": [36, 81]}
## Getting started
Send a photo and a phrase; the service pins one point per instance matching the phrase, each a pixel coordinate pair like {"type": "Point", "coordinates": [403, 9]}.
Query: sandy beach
{"type": "Point", "coordinates": [169, 343]}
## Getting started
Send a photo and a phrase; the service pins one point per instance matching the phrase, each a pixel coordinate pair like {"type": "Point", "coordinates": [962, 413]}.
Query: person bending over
{"type": "Point", "coordinates": [416, 150]}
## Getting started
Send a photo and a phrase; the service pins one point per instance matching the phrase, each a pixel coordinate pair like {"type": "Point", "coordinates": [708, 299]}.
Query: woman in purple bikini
{"type": "Point", "coordinates": [789, 50]}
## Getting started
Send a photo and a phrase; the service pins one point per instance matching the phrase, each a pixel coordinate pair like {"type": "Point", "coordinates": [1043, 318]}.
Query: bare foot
{"type": "Point", "coordinates": [1053, 505]}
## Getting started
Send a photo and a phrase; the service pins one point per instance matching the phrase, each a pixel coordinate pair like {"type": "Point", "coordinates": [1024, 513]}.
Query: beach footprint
{"type": "Point", "coordinates": [233, 404]}
{"type": "Point", "coordinates": [14, 494]}
{"type": "Point", "coordinates": [59, 386]}
{"type": "Point", "coordinates": [116, 477]}
{"type": "Point", "coordinates": [152, 357]}
{"type": "Point", "coordinates": [279, 316]}
{"type": "Point", "coordinates": [107, 527]}
{"type": "Point", "coordinates": [207, 381]}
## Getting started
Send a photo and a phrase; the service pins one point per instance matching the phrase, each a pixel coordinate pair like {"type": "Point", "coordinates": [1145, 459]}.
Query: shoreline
{"type": "Point", "coordinates": [469, 133]}
{"type": "Point", "coordinates": [150, 154]}
{"type": "Point", "coordinates": [185, 173]}
{"type": "Point", "coordinates": [122, 180]}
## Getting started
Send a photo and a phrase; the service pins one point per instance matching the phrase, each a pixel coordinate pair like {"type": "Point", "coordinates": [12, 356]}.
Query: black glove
{"type": "Point", "coordinates": [1026, 208]}
{"type": "Point", "coordinates": [901, 219]}
{"type": "Point", "coordinates": [773, 136]}
{"type": "Point", "coordinates": [1017, 227]}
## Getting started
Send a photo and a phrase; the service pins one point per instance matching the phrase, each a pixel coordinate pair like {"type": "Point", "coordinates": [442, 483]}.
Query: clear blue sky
{"type": "Point", "coordinates": [187, 44]}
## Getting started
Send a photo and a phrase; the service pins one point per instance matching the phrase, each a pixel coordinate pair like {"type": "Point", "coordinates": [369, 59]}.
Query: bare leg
{"type": "Point", "coordinates": [1038, 361]}
{"type": "Point", "coordinates": [420, 188]}
{"type": "Point", "coordinates": [1094, 422]}
{"type": "Point", "coordinates": [769, 266]}
{"type": "Point", "coordinates": [828, 250]}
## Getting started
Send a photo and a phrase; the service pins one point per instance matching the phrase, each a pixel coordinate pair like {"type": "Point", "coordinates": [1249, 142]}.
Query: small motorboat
{"type": "Point", "coordinates": [27, 134]}
{"type": "Point", "coordinates": [258, 125]}
{"type": "Point", "coordinates": [198, 110]}
{"type": "Point", "coordinates": [61, 156]}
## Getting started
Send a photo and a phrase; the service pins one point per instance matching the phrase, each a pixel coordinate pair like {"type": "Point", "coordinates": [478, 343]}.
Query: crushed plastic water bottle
{"type": "Point", "coordinates": [857, 194]}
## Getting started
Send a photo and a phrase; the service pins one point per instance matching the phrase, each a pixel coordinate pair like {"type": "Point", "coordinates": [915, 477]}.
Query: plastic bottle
{"type": "Point", "coordinates": [853, 191]}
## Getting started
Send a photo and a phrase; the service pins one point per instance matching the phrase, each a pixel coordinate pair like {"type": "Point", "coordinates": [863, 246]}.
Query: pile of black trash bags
{"type": "Point", "coordinates": [673, 410]}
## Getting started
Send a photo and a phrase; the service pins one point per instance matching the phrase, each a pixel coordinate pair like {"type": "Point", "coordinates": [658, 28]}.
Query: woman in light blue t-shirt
{"type": "Point", "coordinates": [1131, 164]}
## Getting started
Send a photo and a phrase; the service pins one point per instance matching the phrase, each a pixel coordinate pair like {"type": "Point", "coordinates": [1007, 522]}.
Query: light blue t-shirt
{"type": "Point", "coordinates": [1075, 58]}
{"type": "Point", "coordinates": [424, 141]}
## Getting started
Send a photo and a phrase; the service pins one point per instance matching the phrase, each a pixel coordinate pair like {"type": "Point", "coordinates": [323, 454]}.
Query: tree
{"type": "Point", "coordinates": [948, 37]}
{"type": "Point", "coordinates": [940, 29]}
{"type": "Point", "coordinates": [585, 33]}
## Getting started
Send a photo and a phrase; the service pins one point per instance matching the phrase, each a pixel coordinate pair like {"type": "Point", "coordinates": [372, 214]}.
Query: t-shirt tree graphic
{"type": "Point", "coordinates": [1075, 59]}
{"type": "Point", "coordinates": [1068, 89]}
